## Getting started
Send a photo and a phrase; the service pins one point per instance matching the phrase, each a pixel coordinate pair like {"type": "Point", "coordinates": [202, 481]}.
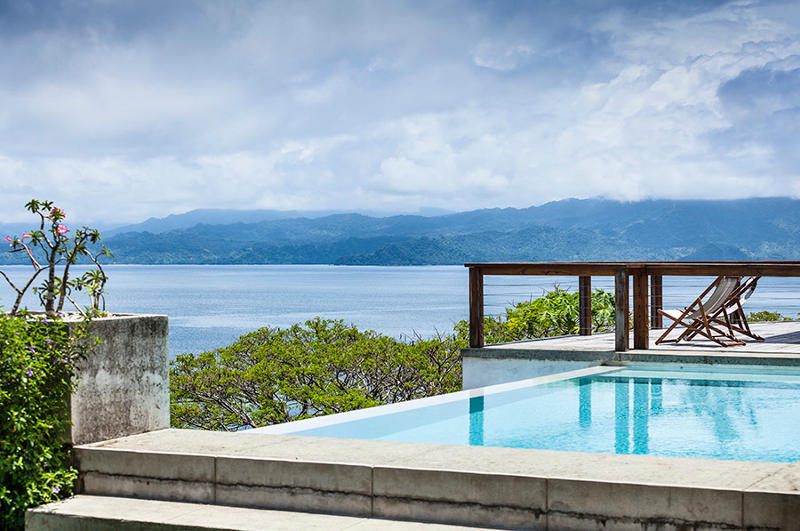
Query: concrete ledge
{"type": "Point", "coordinates": [503, 487]}
{"type": "Point", "coordinates": [311, 486]}
{"type": "Point", "coordinates": [774, 502]}
{"type": "Point", "coordinates": [573, 504]}
{"type": "Point", "coordinates": [749, 359]}
{"type": "Point", "coordinates": [102, 513]}
{"type": "Point", "coordinates": [460, 497]}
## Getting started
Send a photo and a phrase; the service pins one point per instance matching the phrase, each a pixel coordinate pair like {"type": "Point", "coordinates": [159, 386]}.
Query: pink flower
{"type": "Point", "coordinates": [12, 240]}
{"type": "Point", "coordinates": [56, 212]}
{"type": "Point", "coordinates": [62, 229]}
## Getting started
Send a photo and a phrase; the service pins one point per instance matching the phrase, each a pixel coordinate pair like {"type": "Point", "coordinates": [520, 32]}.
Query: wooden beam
{"type": "Point", "coordinates": [641, 329]}
{"type": "Point", "coordinates": [621, 309]}
{"type": "Point", "coordinates": [561, 269]}
{"type": "Point", "coordinates": [656, 302]}
{"type": "Point", "coordinates": [766, 269]}
{"type": "Point", "coordinates": [731, 269]}
{"type": "Point", "coordinates": [475, 307]}
{"type": "Point", "coordinates": [585, 305]}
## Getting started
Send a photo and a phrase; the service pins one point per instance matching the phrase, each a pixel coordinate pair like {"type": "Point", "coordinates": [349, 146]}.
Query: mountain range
{"type": "Point", "coordinates": [570, 229]}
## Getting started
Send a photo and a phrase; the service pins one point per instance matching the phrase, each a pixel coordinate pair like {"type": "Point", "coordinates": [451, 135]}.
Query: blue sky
{"type": "Point", "coordinates": [121, 110]}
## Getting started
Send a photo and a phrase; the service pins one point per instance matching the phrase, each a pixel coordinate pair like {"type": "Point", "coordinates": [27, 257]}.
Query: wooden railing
{"type": "Point", "coordinates": [646, 278]}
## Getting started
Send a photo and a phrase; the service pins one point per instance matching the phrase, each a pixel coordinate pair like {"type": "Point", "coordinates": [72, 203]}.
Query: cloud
{"type": "Point", "coordinates": [500, 57]}
{"type": "Point", "coordinates": [124, 110]}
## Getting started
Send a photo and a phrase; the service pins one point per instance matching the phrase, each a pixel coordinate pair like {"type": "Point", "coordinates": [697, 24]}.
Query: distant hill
{"type": "Point", "coordinates": [572, 229]}
{"type": "Point", "coordinates": [215, 216]}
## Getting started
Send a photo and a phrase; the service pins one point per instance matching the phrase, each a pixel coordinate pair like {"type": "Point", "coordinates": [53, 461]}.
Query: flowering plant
{"type": "Point", "coordinates": [53, 243]}
{"type": "Point", "coordinates": [37, 376]}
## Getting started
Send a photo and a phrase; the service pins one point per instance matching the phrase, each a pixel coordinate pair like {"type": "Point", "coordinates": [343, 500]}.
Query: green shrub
{"type": "Point", "coordinates": [317, 368]}
{"type": "Point", "coordinates": [554, 314]}
{"type": "Point", "coordinates": [766, 315]}
{"type": "Point", "coordinates": [37, 363]}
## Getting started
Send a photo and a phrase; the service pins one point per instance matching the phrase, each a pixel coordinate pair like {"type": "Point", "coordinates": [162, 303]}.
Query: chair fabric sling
{"type": "Point", "coordinates": [733, 308]}
{"type": "Point", "coordinates": [705, 318]}
{"type": "Point", "coordinates": [731, 314]}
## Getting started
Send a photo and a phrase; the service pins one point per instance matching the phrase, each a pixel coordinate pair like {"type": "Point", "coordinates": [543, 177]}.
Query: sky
{"type": "Point", "coordinates": [121, 110]}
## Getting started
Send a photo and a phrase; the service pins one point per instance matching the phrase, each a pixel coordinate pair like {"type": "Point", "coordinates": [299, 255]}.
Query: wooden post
{"type": "Point", "coordinates": [656, 302]}
{"type": "Point", "coordinates": [621, 310]}
{"type": "Point", "coordinates": [585, 305]}
{"type": "Point", "coordinates": [641, 328]}
{"type": "Point", "coordinates": [475, 307]}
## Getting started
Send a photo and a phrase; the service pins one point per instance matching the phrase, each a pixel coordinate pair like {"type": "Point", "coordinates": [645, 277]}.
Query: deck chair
{"type": "Point", "coordinates": [706, 317]}
{"type": "Point", "coordinates": [732, 314]}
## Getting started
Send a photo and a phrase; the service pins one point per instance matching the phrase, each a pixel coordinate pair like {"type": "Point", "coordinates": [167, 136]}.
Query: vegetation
{"type": "Point", "coordinates": [321, 367]}
{"type": "Point", "coordinates": [554, 314]}
{"type": "Point", "coordinates": [55, 247]}
{"type": "Point", "coordinates": [37, 369]}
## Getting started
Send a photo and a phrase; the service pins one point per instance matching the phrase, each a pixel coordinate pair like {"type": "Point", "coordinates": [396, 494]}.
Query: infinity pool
{"type": "Point", "coordinates": [746, 416]}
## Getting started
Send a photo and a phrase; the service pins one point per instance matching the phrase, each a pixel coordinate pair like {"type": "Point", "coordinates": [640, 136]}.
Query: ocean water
{"type": "Point", "coordinates": [209, 306]}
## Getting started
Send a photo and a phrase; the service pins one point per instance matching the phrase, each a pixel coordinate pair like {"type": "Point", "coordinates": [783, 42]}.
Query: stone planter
{"type": "Point", "coordinates": [123, 387]}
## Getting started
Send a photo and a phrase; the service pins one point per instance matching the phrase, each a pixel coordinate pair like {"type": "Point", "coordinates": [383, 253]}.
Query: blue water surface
{"type": "Point", "coordinates": [209, 306]}
{"type": "Point", "coordinates": [739, 417]}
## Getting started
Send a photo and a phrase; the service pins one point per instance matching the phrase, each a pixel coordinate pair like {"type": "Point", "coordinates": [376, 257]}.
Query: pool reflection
{"type": "Point", "coordinates": [647, 400]}
{"type": "Point", "coordinates": [476, 404]}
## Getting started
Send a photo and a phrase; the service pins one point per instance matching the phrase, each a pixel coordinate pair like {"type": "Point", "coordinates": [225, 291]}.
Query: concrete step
{"type": "Point", "coordinates": [106, 513]}
{"type": "Point", "coordinates": [286, 473]}
{"type": "Point", "coordinates": [507, 488]}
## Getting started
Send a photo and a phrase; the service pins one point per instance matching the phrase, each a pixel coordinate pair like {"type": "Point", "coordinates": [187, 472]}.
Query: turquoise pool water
{"type": "Point", "coordinates": [752, 416]}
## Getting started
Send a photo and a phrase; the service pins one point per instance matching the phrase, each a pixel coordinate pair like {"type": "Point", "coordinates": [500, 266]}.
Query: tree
{"type": "Point", "coordinates": [317, 368]}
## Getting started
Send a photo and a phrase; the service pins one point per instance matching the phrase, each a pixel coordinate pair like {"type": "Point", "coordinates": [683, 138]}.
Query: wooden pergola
{"type": "Point", "coordinates": [647, 289]}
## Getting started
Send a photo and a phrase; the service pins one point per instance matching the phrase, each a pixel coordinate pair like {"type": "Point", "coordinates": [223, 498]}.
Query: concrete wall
{"type": "Point", "coordinates": [123, 387]}
{"type": "Point", "coordinates": [480, 372]}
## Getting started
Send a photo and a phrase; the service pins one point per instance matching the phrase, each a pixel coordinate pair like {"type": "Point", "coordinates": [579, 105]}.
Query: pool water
{"type": "Point", "coordinates": [747, 416]}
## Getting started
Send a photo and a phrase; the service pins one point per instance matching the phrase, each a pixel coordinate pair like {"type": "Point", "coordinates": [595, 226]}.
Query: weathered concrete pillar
{"type": "Point", "coordinates": [123, 387]}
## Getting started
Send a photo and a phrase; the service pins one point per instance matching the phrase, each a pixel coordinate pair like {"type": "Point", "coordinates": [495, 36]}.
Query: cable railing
{"type": "Point", "coordinates": [647, 280]}
{"type": "Point", "coordinates": [503, 293]}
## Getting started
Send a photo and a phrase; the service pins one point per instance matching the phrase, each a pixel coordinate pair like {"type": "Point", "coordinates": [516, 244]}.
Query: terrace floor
{"type": "Point", "coordinates": [781, 342]}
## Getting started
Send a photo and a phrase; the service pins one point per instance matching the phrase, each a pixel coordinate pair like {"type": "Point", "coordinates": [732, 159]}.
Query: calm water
{"type": "Point", "coordinates": [748, 417]}
{"type": "Point", "coordinates": [210, 306]}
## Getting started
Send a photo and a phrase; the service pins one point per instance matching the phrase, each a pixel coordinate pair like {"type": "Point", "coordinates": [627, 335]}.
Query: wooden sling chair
{"type": "Point", "coordinates": [706, 317]}
{"type": "Point", "coordinates": [731, 314]}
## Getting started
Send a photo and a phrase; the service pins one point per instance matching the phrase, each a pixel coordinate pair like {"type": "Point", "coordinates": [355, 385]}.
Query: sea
{"type": "Point", "coordinates": [210, 306]}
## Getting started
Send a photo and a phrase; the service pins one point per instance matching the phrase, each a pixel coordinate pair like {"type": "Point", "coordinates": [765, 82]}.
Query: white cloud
{"type": "Point", "coordinates": [499, 56]}
{"type": "Point", "coordinates": [385, 106]}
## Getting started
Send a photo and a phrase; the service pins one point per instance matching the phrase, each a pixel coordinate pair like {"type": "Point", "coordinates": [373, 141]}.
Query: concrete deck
{"type": "Point", "coordinates": [781, 344]}
{"type": "Point", "coordinates": [461, 485]}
